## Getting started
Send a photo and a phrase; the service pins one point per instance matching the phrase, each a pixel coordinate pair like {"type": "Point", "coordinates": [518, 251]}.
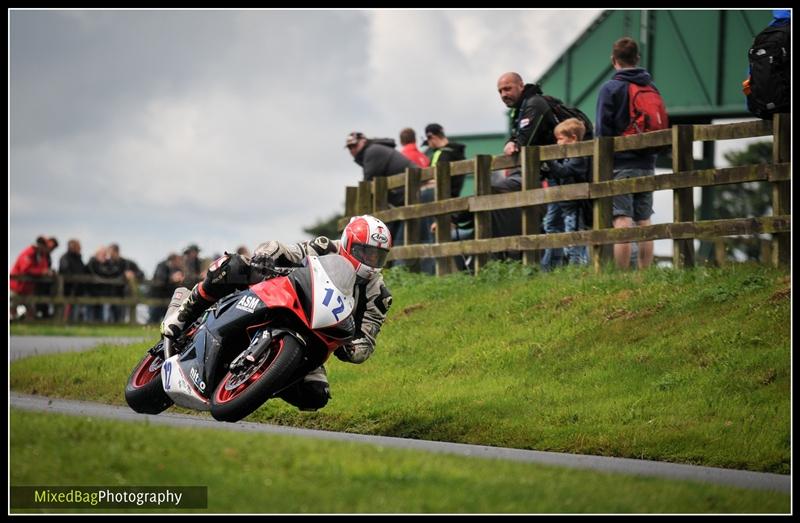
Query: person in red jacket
{"type": "Point", "coordinates": [34, 260]}
{"type": "Point", "coordinates": [408, 143]}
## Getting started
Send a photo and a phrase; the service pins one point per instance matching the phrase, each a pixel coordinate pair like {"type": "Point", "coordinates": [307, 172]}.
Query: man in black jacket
{"type": "Point", "coordinates": [442, 150]}
{"type": "Point", "coordinates": [531, 122]}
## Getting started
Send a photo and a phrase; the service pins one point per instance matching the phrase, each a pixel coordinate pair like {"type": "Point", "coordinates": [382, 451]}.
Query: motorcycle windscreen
{"type": "Point", "coordinates": [333, 280]}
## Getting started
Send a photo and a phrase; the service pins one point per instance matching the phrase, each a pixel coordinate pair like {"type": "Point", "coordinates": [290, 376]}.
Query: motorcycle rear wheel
{"type": "Point", "coordinates": [144, 391]}
{"type": "Point", "coordinates": [240, 394]}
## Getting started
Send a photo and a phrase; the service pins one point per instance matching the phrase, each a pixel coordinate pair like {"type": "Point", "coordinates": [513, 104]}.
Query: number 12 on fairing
{"type": "Point", "coordinates": [327, 299]}
{"type": "Point", "coordinates": [168, 371]}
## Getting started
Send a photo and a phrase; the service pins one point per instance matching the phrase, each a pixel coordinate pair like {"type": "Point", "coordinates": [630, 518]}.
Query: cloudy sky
{"type": "Point", "coordinates": [156, 129]}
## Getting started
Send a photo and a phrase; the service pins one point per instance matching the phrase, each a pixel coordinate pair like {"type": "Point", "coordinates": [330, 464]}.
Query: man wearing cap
{"type": "Point", "coordinates": [442, 150]}
{"type": "Point", "coordinates": [445, 151]}
{"type": "Point", "coordinates": [378, 157]}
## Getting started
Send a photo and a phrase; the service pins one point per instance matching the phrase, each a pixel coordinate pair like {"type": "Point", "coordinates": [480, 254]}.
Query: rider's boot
{"type": "Point", "coordinates": [189, 310]}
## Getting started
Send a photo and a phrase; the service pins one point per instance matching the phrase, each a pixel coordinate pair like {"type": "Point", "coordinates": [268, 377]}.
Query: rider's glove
{"type": "Point", "coordinates": [356, 351]}
{"type": "Point", "coordinates": [342, 353]}
{"type": "Point", "coordinates": [262, 263]}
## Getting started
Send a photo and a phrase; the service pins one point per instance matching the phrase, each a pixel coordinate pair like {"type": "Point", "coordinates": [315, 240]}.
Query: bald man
{"type": "Point", "coordinates": [532, 121]}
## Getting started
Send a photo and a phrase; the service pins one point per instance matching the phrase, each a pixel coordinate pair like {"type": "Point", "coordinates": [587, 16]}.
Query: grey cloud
{"type": "Point", "coordinates": [125, 123]}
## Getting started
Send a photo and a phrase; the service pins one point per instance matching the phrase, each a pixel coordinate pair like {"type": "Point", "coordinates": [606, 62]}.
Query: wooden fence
{"type": "Point", "coordinates": [61, 301]}
{"type": "Point", "coordinates": [370, 197]}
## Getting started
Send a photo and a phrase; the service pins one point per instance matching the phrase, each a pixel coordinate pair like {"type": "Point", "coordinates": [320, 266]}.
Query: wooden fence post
{"type": "Point", "coordinates": [411, 231]}
{"type": "Point", "coordinates": [483, 219]}
{"type": "Point", "coordinates": [380, 194]}
{"type": "Point", "coordinates": [61, 312]}
{"type": "Point", "coordinates": [781, 191]}
{"type": "Point", "coordinates": [682, 199]}
{"type": "Point", "coordinates": [720, 254]}
{"type": "Point", "coordinates": [531, 216]}
{"type": "Point", "coordinates": [134, 287]}
{"type": "Point", "coordinates": [350, 199]}
{"type": "Point", "coordinates": [364, 198]}
{"type": "Point", "coordinates": [602, 171]}
{"type": "Point", "coordinates": [441, 174]}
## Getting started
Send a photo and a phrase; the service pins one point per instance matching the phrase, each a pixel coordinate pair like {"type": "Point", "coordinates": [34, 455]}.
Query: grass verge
{"type": "Point", "coordinates": [254, 473]}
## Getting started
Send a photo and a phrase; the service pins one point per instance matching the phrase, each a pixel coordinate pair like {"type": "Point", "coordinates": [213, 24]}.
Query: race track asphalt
{"type": "Point", "coordinates": [737, 478]}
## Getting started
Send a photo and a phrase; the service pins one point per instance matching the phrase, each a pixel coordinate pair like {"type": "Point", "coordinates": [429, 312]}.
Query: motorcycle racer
{"type": "Point", "coordinates": [365, 243]}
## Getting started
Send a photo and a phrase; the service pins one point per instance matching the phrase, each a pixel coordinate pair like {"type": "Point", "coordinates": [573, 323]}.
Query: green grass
{"type": "Point", "coordinates": [681, 366]}
{"type": "Point", "coordinates": [255, 473]}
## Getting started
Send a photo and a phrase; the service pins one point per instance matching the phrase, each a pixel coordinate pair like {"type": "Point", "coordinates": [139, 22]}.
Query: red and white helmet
{"type": "Point", "coordinates": [366, 242]}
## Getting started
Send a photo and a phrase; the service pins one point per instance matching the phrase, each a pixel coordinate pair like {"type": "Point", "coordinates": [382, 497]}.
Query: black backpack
{"type": "Point", "coordinates": [770, 73]}
{"type": "Point", "coordinates": [562, 111]}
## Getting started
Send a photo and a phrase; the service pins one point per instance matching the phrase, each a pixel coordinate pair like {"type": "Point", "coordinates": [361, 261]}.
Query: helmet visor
{"type": "Point", "coordinates": [369, 255]}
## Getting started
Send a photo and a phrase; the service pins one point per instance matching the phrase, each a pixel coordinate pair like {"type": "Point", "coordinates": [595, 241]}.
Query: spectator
{"type": "Point", "coordinates": [117, 266]}
{"type": "Point", "coordinates": [167, 277]}
{"type": "Point", "coordinates": [33, 261]}
{"type": "Point", "coordinates": [613, 117]}
{"type": "Point", "coordinates": [97, 267]}
{"type": "Point", "coordinates": [443, 150]}
{"type": "Point", "coordinates": [71, 264]}
{"type": "Point", "coordinates": [563, 172]}
{"type": "Point", "coordinates": [531, 122]}
{"type": "Point", "coordinates": [379, 158]}
{"type": "Point", "coordinates": [768, 86]}
{"type": "Point", "coordinates": [408, 146]}
{"type": "Point", "coordinates": [192, 266]}
{"type": "Point", "coordinates": [45, 288]}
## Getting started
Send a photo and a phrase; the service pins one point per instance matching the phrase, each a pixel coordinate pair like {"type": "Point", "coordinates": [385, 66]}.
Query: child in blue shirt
{"type": "Point", "coordinates": [566, 171]}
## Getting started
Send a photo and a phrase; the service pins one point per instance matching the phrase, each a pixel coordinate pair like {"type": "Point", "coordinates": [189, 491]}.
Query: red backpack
{"type": "Point", "coordinates": [646, 108]}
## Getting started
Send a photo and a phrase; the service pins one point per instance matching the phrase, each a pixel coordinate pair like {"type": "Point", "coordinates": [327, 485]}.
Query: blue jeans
{"type": "Point", "coordinates": [427, 265]}
{"type": "Point", "coordinates": [573, 222]}
{"type": "Point", "coordinates": [553, 222]}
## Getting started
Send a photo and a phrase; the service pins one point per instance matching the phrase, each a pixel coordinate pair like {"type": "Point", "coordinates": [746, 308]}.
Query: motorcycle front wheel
{"type": "Point", "coordinates": [243, 391]}
{"type": "Point", "coordinates": [144, 391]}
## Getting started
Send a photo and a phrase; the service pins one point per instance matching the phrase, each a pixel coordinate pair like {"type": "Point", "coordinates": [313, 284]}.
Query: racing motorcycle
{"type": "Point", "coordinates": [251, 345]}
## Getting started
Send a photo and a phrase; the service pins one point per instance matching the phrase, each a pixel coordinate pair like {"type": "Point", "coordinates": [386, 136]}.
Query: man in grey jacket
{"type": "Point", "coordinates": [378, 157]}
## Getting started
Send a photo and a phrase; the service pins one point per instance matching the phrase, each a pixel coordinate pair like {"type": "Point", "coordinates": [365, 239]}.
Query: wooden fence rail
{"type": "Point", "coordinates": [371, 197]}
{"type": "Point", "coordinates": [57, 297]}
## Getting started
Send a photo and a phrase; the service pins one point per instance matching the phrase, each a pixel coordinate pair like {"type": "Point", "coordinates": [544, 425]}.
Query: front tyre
{"type": "Point", "coordinates": [144, 391]}
{"type": "Point", "coordinates": [243, 391]}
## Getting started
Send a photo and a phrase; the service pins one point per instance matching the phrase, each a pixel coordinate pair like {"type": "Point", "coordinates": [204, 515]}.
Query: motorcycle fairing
{"type": "Point", "coordinates": [332, 291]}
{"type": "Point", "coordinates": [180, 387]}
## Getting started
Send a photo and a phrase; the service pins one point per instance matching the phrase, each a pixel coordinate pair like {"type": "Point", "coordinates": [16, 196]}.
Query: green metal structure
{"type": "Point", "coordinates": [698, 59]}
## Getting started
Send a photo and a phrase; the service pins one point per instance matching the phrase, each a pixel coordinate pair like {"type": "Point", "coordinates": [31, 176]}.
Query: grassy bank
{"type": "Point", "coordinates": [683, 366]}
{"type": "Point", "coordinates": [255, 473]}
